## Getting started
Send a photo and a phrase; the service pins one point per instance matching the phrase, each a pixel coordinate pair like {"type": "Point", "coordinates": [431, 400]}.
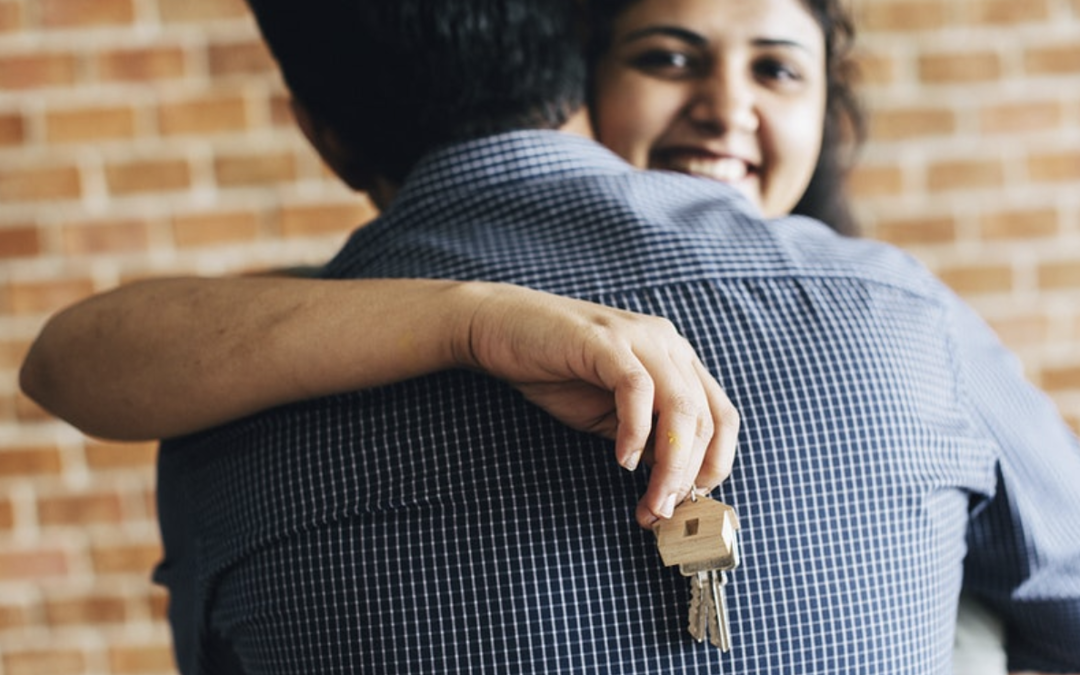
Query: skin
{"type": "Point", "coordinates": [732, 91]}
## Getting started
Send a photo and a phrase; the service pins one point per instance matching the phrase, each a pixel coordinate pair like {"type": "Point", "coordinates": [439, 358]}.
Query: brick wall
{"type": "Point", "coordinates": [142, 137]}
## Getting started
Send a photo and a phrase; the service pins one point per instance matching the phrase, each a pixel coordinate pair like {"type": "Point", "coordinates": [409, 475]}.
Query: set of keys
{"type": "Point", "coordinates": [701, 538]}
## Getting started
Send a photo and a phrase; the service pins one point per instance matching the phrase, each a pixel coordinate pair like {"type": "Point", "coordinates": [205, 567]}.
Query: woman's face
{"type": "Point", "coordinates": [732, 90]}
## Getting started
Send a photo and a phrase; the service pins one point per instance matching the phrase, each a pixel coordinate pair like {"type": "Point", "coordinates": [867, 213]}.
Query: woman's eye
{"type": "Point", "coordinates": [773, 69]}
{"type": "Point", "coordinates": [664, 63]}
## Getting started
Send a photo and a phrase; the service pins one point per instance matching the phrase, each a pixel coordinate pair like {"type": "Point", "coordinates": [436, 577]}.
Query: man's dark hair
{"type": "Point", "coordinates": [396, 78]}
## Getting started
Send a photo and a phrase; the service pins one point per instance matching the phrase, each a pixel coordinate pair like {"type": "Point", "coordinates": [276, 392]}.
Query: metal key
{"type": "Point", "coordinates": [700, 537]}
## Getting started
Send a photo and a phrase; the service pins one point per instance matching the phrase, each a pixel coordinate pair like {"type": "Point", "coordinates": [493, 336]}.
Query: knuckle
{"type": "Point", "coordinates": [684, 406]}
{"type": "Point", "coordinates": [637, 379]}
{"type": "Point", "coordinates": [678, 463]}
{"type": "Point", "coordinates": [728, 413]}
{"type": "Point", "coordinates": [706, 429]}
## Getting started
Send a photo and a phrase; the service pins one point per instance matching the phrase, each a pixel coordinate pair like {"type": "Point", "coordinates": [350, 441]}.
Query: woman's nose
{"type": "Point", "coordinates": [724, 103]}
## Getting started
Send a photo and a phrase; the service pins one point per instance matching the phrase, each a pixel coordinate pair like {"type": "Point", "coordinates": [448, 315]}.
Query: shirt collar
{"type": "Point", "coordinates": [508, 158]}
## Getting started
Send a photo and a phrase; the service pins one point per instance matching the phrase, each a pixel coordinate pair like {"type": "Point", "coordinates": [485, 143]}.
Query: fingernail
{"type": "Point", "coordinates": [632, 461]}
{"type": "Point", "coordinates": [668, 507]}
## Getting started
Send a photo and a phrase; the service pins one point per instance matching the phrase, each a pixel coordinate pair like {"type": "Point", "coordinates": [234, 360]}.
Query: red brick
{"type": "Point", "coordinates": [149, 64]}
{"type": "Point", "coordinates": [960, 67]}
{"type": "Point", "coordinates": [1053, 60]}
{"type": "Point", "coordinates": [126, 558]}
{"type": "Point", "coordinates": [1009, 12]}
{"type": "Point", "coordinates": [19, 242]}
{"type": "Point", "coordinates": [80, 509]}
{"type": "Point", "coordinates": [94, 610]}
{"type": "Point", "coordinates": [35, 184]}
{"type": "Point", "coordinates": [72, 13]}
{"type": "Point", "coordinates": [148, 176]}
{"type": "Point", "coordinates": [13, 616]}
{"type": "Point", "coordinates": [27, 410]}
{"type": "Point", "coordinates": [903, 15]}
{"type": "Point", "coordinates": [36, 297]}
{"type": "Point", "coordinates": [1018, 224]}
{"type": "Point", "coordinates": [281, 113]}
{"type": "Point", "coordinates": [1024, 330]}
{"type": "Point", "coordinates": [29, 462]}
{"type": "Point", "coordinates": [1062, 166]}
{"type": "Point", "coordinates": [12, 352]}
{"type": "Point", "coordinates": [7, 408]}
{"type": "Point", "coordinates": [37, 71]}
{"type": "Point", "coordinates": [914, 231]}
{"type": "Point", "coordinates": [12, 130]}
{"type": "Point", "coordinates": [7, 516]}
{"type": "Point", "coordinates": [141, 659]}
{"type": "Point", "coordinates": [213, 114]}
{"type": "Point", "coordinates": [32, 565]}
{"type": "Point", "coordinates": [876, 69]}
{"type": "Point", "coordinates": [200, 11]}
{"type": "Point", "coordinates": [94, 124]}
{"type": "Point", "coordinates": [1060, 275]}
{"type": "Point", "coordinates": [1022, 117]}
{"type": "Point", "coordinates": [876, 181]}
{"type": "Point", "coordinates": [1074, 420]}
{"type": "Point", "coordinates": [89, 239]}
{"type": "Point", "coordinates": [318, 220]}
{"type": "Point", "coordinates": [894, 124]}
{"type": "Point", "coordinates": [149, 502]}
{"type": "Point", "coordinates": [102, 456]}
{"type": "Point", "coordinates": [239, 170]}
{"type": "Point", "coordinates": [973, 279]}
{"type": "Point", "coordinates": [158, 600]}
{"type": "Point", "coordinates": [55, 661]}
{"type": "Point", "coordinates": [241, 58]}
{"type": "Point", "coordinates": [953, 175]}
{"type": "Point", "coordinates": [1061, 378]}
{"type": "Point", "coordinates": [210, 229]}
{"type": "Point", "coordinates": [11, 17]}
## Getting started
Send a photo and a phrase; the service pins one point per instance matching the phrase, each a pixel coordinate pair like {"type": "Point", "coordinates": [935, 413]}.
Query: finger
{"type": "Point", "coordinates": [679, 452]}
{"type": "Point", "coordinates": [634, 394]}
{"type": "Point", "coordinates": [720, 453]}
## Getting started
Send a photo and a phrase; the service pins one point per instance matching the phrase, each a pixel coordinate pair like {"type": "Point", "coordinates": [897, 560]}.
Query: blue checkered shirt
{"type": "Point", "coordinates": [890, 453]}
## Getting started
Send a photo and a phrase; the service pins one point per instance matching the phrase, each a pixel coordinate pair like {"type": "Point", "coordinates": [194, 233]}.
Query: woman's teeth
{"type": "Point", "coordinates": [725, 169]}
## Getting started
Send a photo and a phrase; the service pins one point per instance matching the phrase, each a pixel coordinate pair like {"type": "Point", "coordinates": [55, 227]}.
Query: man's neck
{"type": "Point", "coordinates": [382, 191]}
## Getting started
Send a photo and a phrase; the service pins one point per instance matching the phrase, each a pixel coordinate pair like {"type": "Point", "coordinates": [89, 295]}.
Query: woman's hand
{"type": "Point", "coordinates": [628, 377]}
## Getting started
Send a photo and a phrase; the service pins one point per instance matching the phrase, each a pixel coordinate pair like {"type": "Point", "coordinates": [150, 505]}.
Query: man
{"type": "Point", "coordinates": [445, 525]}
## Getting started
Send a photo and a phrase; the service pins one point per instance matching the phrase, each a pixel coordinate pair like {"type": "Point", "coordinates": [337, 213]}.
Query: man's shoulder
{"type": "Point", "coordinates": [549, 210]}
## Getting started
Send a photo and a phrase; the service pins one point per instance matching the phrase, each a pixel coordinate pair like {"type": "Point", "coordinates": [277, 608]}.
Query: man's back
{"type": "Point", "coordinates": [446, 525]}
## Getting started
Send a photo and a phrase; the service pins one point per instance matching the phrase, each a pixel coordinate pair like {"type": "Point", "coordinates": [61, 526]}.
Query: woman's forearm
{"type": "Point", "coordinates": [166, 357]}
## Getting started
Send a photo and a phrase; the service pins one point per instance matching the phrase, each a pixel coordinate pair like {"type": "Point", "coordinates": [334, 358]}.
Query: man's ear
{"type": "Point", "coordinates": [356, 173]}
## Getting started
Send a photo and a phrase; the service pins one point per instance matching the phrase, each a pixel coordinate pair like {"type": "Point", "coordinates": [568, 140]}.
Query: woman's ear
{"type": "Point", "coordinates": [348, 166]}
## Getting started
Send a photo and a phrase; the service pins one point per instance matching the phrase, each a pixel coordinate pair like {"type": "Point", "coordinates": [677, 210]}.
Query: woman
{"type": "Point", "coordinates": [753, 93]}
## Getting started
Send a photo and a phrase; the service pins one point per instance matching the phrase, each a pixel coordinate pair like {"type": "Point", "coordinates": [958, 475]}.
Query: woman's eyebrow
{"type": "Point", "coordinates": [689, 36]}
{"type": "Point", "coordinates": [781, 42]}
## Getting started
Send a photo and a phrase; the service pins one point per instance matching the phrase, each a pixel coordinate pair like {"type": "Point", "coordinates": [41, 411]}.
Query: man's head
{"type": "Point", "coordinates": [380, 83]}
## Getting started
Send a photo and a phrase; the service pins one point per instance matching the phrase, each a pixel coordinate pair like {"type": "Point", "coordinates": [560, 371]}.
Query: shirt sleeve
{"type": "Point", "coordinates": [1023, 542]}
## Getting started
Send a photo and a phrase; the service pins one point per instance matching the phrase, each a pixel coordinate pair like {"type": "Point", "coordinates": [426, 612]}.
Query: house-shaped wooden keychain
{"type": "Point", "coordinates": [700, 535]}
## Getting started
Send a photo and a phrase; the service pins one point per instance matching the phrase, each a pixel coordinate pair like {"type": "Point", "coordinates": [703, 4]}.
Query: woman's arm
{"type": "Point", "coordinates": [168, 357]}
